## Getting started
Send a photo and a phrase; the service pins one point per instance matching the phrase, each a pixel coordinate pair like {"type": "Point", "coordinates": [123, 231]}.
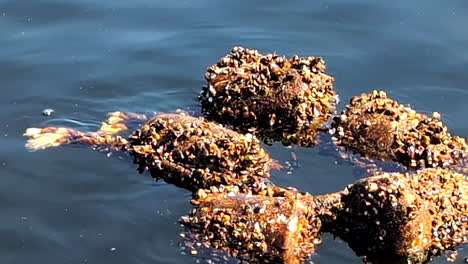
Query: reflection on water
{"type": "Point", "coordinates": [86, 58]}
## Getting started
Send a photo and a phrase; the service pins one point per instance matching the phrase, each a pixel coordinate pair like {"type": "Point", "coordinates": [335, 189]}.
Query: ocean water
{"type": "Point", "coordinates": [85, 58]}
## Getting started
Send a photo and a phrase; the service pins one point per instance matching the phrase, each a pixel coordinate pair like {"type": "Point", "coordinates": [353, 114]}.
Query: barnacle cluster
{"type": "Point", "coordinates": [387, 216]}
{"type": "Point", "coordinates": [276, 98]}
{"type": "Point", "coordinates": [237, 209]}
{"type": "Point", "coordinates": [192, 153]}
{"type": "Point", "coordinates": [415, 216]}
{"type": "Point", "coordinates": [280, 226]}
{"type": "Point", "coordinates": [378, 127]}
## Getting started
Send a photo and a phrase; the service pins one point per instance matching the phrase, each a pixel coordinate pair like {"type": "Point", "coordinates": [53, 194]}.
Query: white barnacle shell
{"type": "Point", "coordinates": [292, 224]}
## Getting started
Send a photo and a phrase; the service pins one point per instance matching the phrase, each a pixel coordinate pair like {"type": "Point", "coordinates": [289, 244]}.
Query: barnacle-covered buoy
{"type": "Point", "coordinates": [378, 127]}
{"type": "Point", "coordinates": [390, 216]}
{"type": "Point", "coordinates": [413, 216]}
{"type": "Point", "coordinates": [189, 152]}
{"type": "Point", "coordinates": [193, 153]}
{"type": "Point", "coordinates": [276, 98]}
{"type": "Point", "coordinates": [279, 226]}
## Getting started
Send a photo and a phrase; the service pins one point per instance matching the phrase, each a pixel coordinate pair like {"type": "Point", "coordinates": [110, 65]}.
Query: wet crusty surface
{"type": "Point", "coordinates": [394, 215]}
{"type": "Point", "coordinates": [378, 127]}
{"type": "Point", "coordinates": [193, 153]}
{"type": "Point", "coordinates": [277, 226]}
{"type": "Point", "coordinates": [276, 98]}
{"type": "Point", "coordinates": [412, 216]}
{"type": "Point", "coordinates": [388, 216]}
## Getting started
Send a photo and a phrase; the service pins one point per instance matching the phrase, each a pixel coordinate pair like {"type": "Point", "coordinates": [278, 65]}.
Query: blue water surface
{"type": "Point", "coordinates": [85, 58]}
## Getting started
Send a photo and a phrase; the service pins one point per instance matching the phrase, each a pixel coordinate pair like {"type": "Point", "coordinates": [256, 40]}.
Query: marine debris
{"type": "Point", "coordinates": [48, 111]}
{"type": "Point", "coordinates": [42, 138]}
{"type": "Point", "coordinates": [195, 154]}
{"type": "Point", "coordinates": [391, 215]}
{"type": "Point", "coordinates": [186, 151]}
{"type": "Point", "coordinates": [384, 217]}
{"type": "Point", "coordinates": [412, 216]}
{"type": "Point", "coordinates": [271, 96]}
{"type": "Point", "coordinates": [378, 127]}
{"type": "Point", "coordinates": [280, 226]}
